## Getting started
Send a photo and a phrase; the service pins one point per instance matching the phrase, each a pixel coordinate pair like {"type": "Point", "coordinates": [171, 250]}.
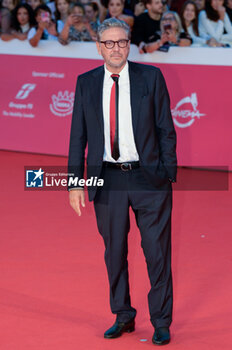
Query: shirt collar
{"type": "Point", "coordinates": [123, 73]}
{"type": "Point", "coordinates": [25, 27]}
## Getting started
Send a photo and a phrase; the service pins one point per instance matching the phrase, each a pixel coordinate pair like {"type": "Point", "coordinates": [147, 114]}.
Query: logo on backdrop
{"type": "Point", "coordinates": [34, 178]}
{"type": "Point", "coordinates": [62, 103]}
{"type": "Point", "coordinates": [186, 112]}
{"type": "Point", "coordinates": [25, 90]}
{"type": "Point", "coordinates": [17, 107]}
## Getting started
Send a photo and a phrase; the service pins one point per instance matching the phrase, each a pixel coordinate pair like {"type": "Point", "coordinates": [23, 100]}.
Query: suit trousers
{"type": "Point", "coordinates": [152, 208]}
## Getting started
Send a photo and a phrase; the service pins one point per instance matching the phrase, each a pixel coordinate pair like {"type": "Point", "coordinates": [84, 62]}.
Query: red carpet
{"type": "Point", "coordinates": [49, 256]}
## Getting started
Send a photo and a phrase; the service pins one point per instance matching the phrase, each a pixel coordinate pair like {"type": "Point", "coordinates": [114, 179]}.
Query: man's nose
{"type": "Point", "coordinates": [116, 47]}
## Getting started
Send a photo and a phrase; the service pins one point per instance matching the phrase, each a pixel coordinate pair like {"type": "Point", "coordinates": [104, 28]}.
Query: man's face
{"type": "Point", "coordinates": [156, 7]}
{"type": "Point", "coordinates": [116, 57]}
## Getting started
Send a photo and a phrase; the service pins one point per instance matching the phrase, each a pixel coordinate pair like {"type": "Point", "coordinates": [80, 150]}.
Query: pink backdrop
{"type": "Point", "coordinates": [37, 97]}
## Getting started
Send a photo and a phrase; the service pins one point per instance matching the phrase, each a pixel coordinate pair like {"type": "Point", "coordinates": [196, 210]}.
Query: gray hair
{"type": "Point", "coordinates": [112, 23]}
{"type": "Point", "coordinates": [177, 19]}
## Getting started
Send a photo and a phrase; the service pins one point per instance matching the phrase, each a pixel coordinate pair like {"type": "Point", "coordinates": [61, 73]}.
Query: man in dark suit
{"type": "Point", "coordinates": [122, 111]}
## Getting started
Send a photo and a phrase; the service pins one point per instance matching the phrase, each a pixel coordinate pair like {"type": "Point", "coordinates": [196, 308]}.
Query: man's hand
{"type": "Point", "coordinates": [76, 200]}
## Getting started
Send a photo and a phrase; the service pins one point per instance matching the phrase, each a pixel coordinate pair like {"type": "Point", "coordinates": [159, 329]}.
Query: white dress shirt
{"type": "Point", "coordinates": [127, 148]}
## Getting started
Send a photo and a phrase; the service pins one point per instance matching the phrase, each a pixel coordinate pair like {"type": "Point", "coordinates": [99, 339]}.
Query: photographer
{"type": "Point", "coordinates": [77, 27]}
{"type": "Point", "coordinates": [171, 34]}
{"type": "Point", "coordinates": [45, 28]}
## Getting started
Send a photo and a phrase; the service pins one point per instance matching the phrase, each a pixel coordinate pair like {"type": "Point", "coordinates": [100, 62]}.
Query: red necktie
{"type": "Point", "coordinates": [114, 118]}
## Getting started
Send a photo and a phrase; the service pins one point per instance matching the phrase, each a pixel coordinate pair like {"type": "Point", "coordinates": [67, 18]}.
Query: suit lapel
{"type": "Point", "coordinates": [137, 91]}
{"type": "Point", "coordinates": [96, 94]}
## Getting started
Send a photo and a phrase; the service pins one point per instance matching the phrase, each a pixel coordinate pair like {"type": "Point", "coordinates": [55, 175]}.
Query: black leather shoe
{"type": "Point", "coordinates": [161, 336]}
{"type": "Point", "coordinates": [118, 328]}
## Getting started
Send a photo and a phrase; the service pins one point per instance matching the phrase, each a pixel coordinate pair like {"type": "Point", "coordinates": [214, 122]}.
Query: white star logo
{"type": "Point", "coordinates": [38, 174]}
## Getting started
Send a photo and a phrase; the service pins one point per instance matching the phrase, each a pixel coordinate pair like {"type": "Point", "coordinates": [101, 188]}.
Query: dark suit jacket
{"type": "Point", "coordinates": [154, 133]}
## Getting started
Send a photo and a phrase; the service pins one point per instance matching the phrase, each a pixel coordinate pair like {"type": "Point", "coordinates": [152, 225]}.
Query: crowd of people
{"type": "Point", "coordinates": [155, 24]}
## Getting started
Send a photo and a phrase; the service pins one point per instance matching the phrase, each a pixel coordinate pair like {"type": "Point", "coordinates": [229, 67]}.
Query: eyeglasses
{"type": "Point", "coordinates": [168, 19]}
{"type": "Point", "coordinates": [109, 44]}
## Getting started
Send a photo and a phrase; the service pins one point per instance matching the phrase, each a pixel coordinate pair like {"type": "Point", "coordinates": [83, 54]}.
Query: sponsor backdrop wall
{"type": "Point", "coordinates": [37, 94]}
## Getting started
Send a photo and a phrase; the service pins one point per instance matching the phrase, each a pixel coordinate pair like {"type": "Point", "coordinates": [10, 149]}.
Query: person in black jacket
{"type": "Point", "coordinates": [132, 147]}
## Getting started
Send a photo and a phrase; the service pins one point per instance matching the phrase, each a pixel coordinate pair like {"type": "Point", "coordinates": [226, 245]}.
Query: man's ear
{"type": "Point", "coordinates": [98, 47]}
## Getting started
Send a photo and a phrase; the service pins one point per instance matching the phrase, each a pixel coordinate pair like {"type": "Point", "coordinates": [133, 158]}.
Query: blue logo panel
{"type": "Point", "coordinates": [34, 178]}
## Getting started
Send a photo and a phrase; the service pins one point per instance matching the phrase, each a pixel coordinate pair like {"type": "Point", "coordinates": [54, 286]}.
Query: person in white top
{"type": "Point", "coordinates": [22, 21]}
{"type": "Point", "coordinates": [45, 28]}
{"type": "Point", "coordinates": [126, 136]}
{"type": "Point", "coordinates": [189, 19]}
{"type": "Point", "coordinates": [214, 21]}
